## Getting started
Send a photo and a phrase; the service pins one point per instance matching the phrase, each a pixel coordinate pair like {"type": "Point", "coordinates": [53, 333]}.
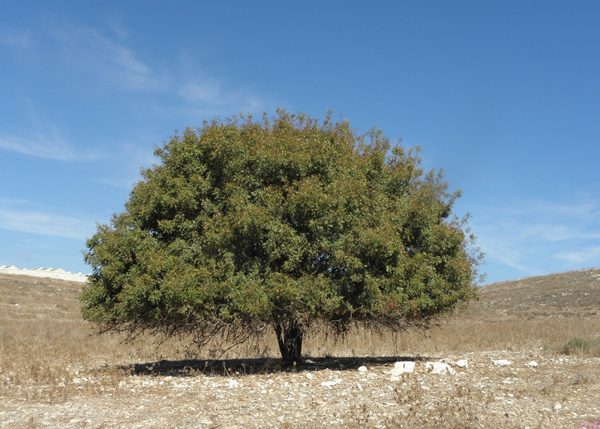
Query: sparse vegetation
{"type": "Point", "coordinates": [580, 346]}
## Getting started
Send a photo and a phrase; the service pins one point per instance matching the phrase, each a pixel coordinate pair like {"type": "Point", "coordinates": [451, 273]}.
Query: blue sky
{"type": "Point", "coordinates": [504, 96]}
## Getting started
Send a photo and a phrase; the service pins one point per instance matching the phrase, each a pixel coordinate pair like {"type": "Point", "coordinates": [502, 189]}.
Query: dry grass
{"type": "Point", "coordinates": [540, 312]}
{"type": "Point", "coordinates": [46, 349]}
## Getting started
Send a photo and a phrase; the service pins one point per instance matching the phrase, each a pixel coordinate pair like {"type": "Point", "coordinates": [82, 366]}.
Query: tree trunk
{"type": "Point", "coordinates": [289, 337]}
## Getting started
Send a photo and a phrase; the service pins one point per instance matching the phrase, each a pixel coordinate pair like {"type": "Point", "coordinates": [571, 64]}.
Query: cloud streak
{"type": "Point", "coordinates": [206, 92]}
{"type": "Point", "coordinates": [110, 59]}
{"type": "Point", "coordinates": [88, 49]}
{"type": "Point", "coordinates": [586, 256]}
{"type": "Point", "coordinates": [14, 38]}
{"type": "Point", "coordinates": [88, 52]}
{"type": "Point", "coordinates": [44, 223]}
{"type": "Point", "coordinates": [126, 161]}
{"type": "Point", "coordinates": [44, 146]}
{"type": "Point", "coordinates": [534, 237]}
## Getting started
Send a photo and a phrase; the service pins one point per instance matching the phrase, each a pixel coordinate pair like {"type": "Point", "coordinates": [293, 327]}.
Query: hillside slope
{"type": "Point", "coordinates": [573, 293]}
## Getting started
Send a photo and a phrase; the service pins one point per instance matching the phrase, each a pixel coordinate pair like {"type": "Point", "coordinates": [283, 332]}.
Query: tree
{"type": "Point", "coordinates": [280, 223]}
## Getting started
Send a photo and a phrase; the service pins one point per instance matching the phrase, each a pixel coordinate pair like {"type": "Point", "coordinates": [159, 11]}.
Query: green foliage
{"type": "Point", "coordinates": [577, 346]}
{"type": "Point", "coordinates": [282, 222]}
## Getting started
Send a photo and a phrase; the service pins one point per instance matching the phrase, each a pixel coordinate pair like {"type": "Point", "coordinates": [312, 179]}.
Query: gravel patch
{"type": "Point", "coordinates": [556, 392]}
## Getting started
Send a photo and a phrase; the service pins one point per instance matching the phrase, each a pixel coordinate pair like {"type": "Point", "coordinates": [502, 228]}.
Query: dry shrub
{"type": "Point", "coordinates": [582, 347]}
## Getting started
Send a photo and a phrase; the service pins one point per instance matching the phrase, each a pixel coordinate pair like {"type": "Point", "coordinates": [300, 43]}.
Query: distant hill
{"type": "Point", "coordinates": [564, 294]}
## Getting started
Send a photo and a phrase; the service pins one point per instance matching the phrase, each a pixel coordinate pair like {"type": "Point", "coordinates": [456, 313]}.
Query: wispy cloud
{"type": "Point", "coordinates": [127, 160]}
{"type": "Point", "coordinates": [25, 218]}
{"type": "Point", "coordinates": [204, 92]}
{"type": "Point", "coordinates": [583, 257]}
{"type": "Point", "coordinates": [111, 59]}
{"type": "Point", "coordinates": [108, 57]}
{"type": "Point", "coordinates": [88, 49]}
{"type": "Point", "coordinates": [534, 237]}
{"type": "Point", "coordinates": [49, 146]}
{"type": "Point", "coordinates": [15, 38]}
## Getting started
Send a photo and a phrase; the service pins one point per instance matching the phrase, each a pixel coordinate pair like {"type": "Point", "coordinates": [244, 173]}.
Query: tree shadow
{"type": "Point", "coordinates": [241, 367]}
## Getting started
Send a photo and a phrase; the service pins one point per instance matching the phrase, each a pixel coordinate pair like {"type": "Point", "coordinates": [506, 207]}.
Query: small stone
{"type": "Point", "coordinates": [440, 368]}
{"type": "Point", "coordinates": [532, 364]}
{"type": "Point", "coordinates": [502, 362]}
{"type": "Point", "coordinates": [402, 367]}
{"type": "Point", "coordinates": [462, 363]}
{"type": "Point", "coordinates": [359, 387]}
{"type": "Point", "coordinates": [362, 369]}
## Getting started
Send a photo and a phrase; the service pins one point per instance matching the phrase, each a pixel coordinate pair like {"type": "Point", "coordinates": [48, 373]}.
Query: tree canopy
{"type": "Point", "coordinates": [280, 222]}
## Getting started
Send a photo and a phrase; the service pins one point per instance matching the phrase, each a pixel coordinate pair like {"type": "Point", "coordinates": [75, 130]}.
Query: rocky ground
{"type": "Point", "coordinates": [533, 390]}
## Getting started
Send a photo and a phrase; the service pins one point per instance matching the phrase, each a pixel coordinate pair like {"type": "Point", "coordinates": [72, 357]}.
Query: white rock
{"type": "Point", "coordinates": [459, 363]}
{"type": "Point", "coordinates": [462, 363]}
{"type": "Point", "coordinates": [532, 364]}
{"type": "Point", "coordinates": [54, 273]}
{"type": "Point", "coordinates": [439, 368]}
{"type": "Point", "coordinates": [329, 383]}
{"type": "Point", "coordinates": [309, 376]}
{"type": "Point", "coordinates": [233, 383]}
{"type": "Point", "coordinates": [359, 386]}
{"type": "Point", "coordinates": [502, 362]}
{"type": "Point", "coordinates": [402, 368]}
{"type": "Point", "coordinates": [362, 369]}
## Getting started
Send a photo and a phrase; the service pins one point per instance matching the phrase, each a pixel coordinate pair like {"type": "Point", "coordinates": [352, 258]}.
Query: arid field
{"type": "Point", "coordinates": [532, 351]}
